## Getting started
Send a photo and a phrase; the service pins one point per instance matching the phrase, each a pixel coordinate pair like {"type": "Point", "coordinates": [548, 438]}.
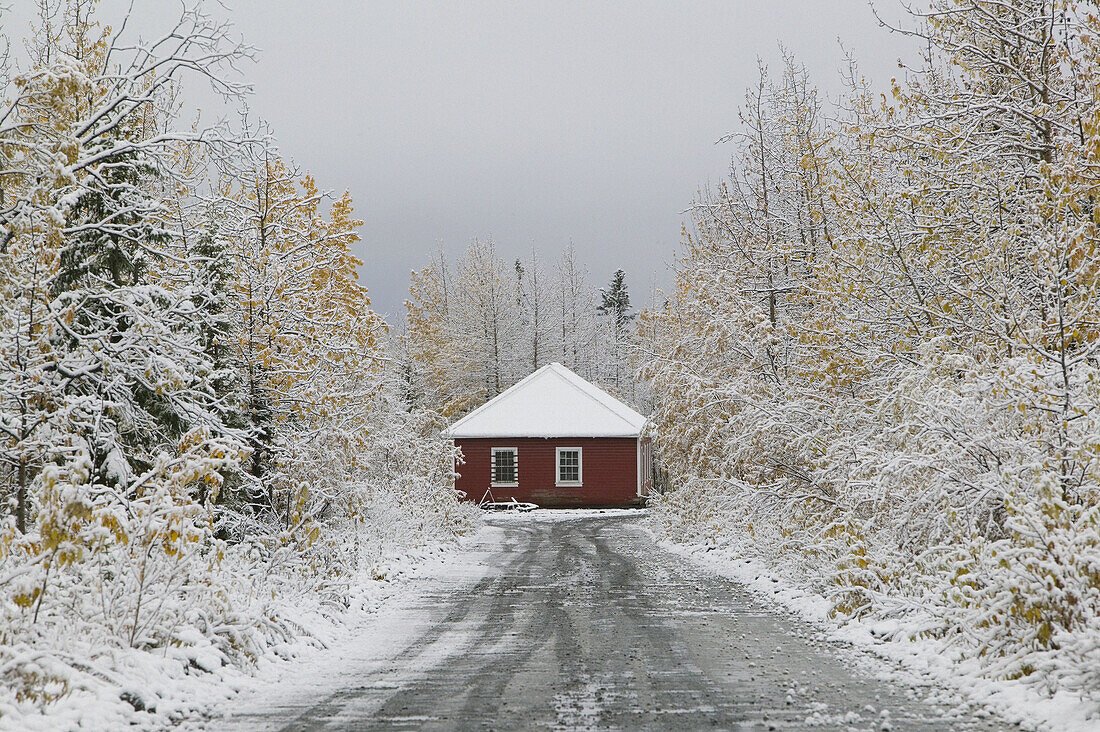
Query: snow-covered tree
{"type": "Point", "coordinates": [615, 308]}
{"type": "Point", "coordinates": [878, 367]}
{"type": "Point", "coordinates": [534, 311]}
{"type": "Point", "coordinates": [475, 332]}
{"type": "Point", "coordinates": [306, 343]}
{"type": "Point", "coordinates": [574, 300]}
{"type": "Point", "coordinates": [192, 383]}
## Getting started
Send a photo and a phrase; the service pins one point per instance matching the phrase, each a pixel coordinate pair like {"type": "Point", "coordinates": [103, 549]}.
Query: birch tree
{"type": "Point", "coordinates": [476, 329]}
{"type": "Point", "coordinates": [306, 332]}
{"type": "Point", "coordinates": [534, 311]}
{"type": "Point", "coordinates": [574, 306]}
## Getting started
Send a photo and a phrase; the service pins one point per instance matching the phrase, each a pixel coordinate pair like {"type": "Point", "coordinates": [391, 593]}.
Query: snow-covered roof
{"type": "Point", "coordinates": [552, 402]}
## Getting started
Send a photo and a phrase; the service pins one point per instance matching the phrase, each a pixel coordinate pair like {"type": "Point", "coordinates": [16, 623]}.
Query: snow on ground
{"type": "Point", "coordinates": [373, 624]}
{"type": "Point", "coordinates": [178, 686]}
{"type": "Point", "coordinates": [893, 641]}
{"type": "Point", "coordinates": [549, 515]}
{"type": "Point", "coordinates": [379, 606]}
{"type": "Point", "coordinates": [335, 639]}
{"type": "Point", "coordinates": [582, 623]}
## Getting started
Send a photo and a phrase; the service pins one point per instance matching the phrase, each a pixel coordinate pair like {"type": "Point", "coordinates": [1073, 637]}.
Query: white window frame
{"type": "Point", "coordinates": [557, 467]}
{"type": "Point", "coordinates": [493, 466]}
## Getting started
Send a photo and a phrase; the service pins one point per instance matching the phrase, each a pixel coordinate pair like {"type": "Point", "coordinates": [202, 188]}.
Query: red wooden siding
{"type": "Point", "coordinates": [609, 471]}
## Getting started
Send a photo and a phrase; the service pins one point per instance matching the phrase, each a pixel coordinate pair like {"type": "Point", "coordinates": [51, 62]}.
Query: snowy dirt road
{"type": "Point", "coordinates": [579, 621]}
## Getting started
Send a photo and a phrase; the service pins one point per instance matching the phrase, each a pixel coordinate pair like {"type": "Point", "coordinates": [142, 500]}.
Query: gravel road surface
{"type": "Point", "coordinates": [577, 621]}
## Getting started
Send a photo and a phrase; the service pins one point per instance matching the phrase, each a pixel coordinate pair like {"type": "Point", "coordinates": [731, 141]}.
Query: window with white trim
{"type": "Point", "coordinates": [504, 467]}
{"type": "Point", "coordinates": [569, 466]}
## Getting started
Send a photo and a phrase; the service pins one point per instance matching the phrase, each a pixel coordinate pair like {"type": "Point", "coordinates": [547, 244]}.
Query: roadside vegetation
{"type": "Point", "coordinates": [202, 432]}
{"type": "Point", "coordinates": [878, 370]}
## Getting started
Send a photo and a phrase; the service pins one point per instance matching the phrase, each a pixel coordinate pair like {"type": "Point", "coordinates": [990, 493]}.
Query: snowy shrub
{"type": "Point", "coordinates": [878, 371]}
{"type": "Point", "coordinates": [203, 440]}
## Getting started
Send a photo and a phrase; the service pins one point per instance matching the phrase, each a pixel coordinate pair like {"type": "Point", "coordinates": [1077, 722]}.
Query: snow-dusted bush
{"type": "Point", "coordinates": [879, 370]}
{"type": "Point", "coordinates": [201, 443]}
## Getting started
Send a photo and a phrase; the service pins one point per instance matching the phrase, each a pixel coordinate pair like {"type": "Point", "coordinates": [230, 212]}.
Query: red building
{"type": "Point", "coordinates": [556, 440]}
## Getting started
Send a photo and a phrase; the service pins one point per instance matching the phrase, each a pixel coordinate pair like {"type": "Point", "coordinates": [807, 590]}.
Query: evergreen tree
{"type": "Point", "coordinates": [616, 301]}
{"type": "Point", "coordinates": [615, 306]}
{"type": "Point", "coordinates": [153, 323]}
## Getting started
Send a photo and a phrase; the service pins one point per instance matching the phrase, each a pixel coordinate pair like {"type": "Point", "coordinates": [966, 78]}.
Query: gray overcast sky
{"type": "Point", "coordinates": [533, 123]}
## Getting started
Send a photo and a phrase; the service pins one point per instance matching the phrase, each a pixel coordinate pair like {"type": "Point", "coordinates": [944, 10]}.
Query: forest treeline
{"type": "Point", "coordinates": [878, 368]}
{"type": "Point", "coordinates": [479, 325]}
{"type": "Point", "coordinates": [200, 421]}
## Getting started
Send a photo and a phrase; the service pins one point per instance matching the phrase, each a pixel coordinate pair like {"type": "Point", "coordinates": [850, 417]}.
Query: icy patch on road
{"type": "Point", "coordinates": [913, 660]}
{"type": "Point", "coordinates": [579, 709]}
{"type": "Point", "coordinates": [552, 515]}
{"type": "Point", "coordinates": [582, 708]}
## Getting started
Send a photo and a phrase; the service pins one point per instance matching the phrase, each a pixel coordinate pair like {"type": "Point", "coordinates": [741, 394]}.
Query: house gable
{"type": "Point", "coordinates": [552, 402]}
